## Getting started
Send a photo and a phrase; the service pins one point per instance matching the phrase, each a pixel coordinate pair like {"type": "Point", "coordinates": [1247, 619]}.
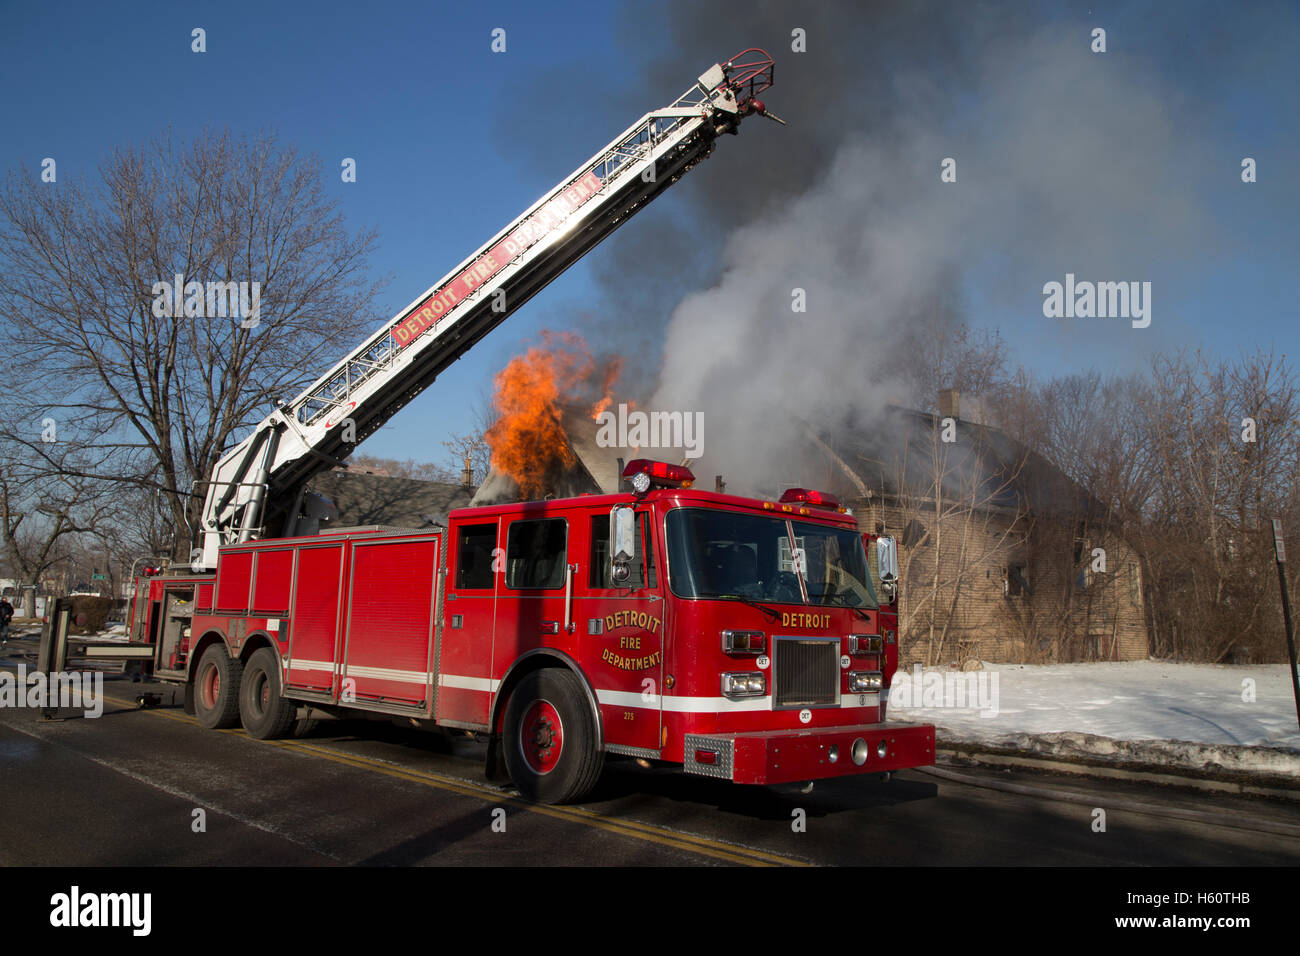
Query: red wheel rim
{"type": "Point", "coordinates": [541, 737]}
{"type": "Point", "coordinates": [210, 687]}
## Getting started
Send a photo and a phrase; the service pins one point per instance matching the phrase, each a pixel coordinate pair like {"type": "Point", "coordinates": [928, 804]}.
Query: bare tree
{"type": "Point", "coordinates": [1226, 443]}
{"type": "Point", "coordinates": [930, 355]}
{"type": "Point", "coordinates": [271, 288]}
{"type": "Point", "coordinates": [472, 448]}
{"type": "Point", "coordinates": [45, 521]}
{"type": "Point", "coordinates": [1187, 464]}
{"type": "Point", "coordinates": [1093, 429]}
{"type": "Point", "coordinates": [953, 489]}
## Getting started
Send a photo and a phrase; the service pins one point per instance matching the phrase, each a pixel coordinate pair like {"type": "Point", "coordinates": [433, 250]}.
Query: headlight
{"type": "Point", "coordinates": [749, 684]}
{"type": "Point", "coordinates": [864, 682]}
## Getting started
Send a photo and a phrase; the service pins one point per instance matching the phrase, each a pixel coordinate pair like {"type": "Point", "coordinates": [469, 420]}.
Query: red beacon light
{"type": "Point", "coordinates": [806, 496]}
{"type": "Point", "coordinates": [644, 473]}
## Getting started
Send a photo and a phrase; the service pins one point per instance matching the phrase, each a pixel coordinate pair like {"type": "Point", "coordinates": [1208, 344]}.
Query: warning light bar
{"type": "Point", "coordinates": [657, 474]}
{"type": "Point", "coordinates": [806, 496]}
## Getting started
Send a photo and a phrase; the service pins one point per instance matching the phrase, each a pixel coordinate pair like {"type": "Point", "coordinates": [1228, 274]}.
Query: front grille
{"type": "Point", "coordinates": [807, 673]}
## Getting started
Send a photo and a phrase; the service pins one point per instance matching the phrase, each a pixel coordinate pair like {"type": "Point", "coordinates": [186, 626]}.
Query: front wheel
{"type": "Point", "coordinates": [550, 738]}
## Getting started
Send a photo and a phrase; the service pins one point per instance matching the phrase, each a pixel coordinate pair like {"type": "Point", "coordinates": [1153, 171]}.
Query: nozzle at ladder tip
{"type": "Point", "coordinates": [758, 107]}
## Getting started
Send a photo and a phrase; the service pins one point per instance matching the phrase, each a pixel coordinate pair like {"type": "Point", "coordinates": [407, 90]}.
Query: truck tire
{"type": "Point", "coordinates": [550, 738]}
{"type": "Point", "coordinates": [216, 689]}
{"type": "Point", "coordinates": [263, 710]}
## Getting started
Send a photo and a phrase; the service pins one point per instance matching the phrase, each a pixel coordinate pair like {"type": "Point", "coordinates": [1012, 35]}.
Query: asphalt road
{"type": "Point", "coordinates": [149, 787]}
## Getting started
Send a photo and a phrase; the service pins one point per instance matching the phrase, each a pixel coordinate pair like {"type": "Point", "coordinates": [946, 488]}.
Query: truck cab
{"type": "Point", "coordinates": [739, 638]}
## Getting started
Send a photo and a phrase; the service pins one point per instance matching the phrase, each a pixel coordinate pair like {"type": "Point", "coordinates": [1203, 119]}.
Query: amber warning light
{"type": "Point", "coordinates": [645, 474]}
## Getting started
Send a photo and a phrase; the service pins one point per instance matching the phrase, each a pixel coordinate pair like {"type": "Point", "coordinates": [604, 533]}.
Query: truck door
{"type": "Point", "coordinates": [469, 615]}
{"type": "Point", "coordinates": [531, 604]}
{"type": "Point", "coordinates": [623, 627]}
{"type": "Point", "coordinates": [314, 618]}
{"type": "Point", "coordinates": [388, 637]}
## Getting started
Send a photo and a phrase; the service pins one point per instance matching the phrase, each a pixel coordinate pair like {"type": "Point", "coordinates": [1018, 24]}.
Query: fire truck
{"type": "Point", "coordinates": [742, 639]}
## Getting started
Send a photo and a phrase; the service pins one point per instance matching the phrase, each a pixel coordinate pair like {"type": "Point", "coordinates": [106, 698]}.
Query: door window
{"type": "Point", "coordinates": [536, 552]}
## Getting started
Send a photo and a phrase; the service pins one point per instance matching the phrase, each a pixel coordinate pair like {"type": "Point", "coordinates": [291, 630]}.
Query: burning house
{"type": "Point", "coordinates": [572, 461]}
{"type": "Point", "coordinates": [545, 440]}
{"type": "Point", "coordinates": [1002, 556]}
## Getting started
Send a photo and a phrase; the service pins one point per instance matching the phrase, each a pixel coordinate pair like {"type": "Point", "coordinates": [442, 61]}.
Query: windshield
{"type": "Point", "coordinates": [725, 554]}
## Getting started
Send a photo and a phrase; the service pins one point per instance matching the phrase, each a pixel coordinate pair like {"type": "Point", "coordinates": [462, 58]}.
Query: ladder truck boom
{"type": "Point", "coordinates": [257, 488]}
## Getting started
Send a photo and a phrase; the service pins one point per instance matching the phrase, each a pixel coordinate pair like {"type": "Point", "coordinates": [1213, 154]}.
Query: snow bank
{"type": "Point", "coordinates": [1215, 717]}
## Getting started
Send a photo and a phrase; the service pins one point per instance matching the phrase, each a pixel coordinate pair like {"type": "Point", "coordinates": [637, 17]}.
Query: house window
{"type": "Point", "coordinates": [1016, 582]}
{"type": "Point", "coordinates": [915, 534]}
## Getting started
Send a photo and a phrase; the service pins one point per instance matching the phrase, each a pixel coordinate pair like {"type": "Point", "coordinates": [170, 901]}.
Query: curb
{"type": "Point", "coordinates": [1237, 821]}
{"type": "Point", "coordinates": [1277, 788]}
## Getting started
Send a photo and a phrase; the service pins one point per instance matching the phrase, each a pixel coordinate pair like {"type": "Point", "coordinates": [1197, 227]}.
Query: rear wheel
{"type": "Point", "coordinates": [216, 689]}
{"type": "Point", "coordinates": [263, 710]}
{"type": "Point", "coordinates": [550, 738]}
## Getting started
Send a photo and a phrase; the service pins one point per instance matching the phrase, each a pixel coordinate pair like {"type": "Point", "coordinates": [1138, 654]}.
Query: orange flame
{"type": "Point", "coordinates": [527, 440]}
{"type": "Point", "coordinates": [613, 368]}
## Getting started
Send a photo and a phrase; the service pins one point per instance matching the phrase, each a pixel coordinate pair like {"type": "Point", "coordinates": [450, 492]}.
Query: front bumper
{"type": "Point", "coordinates": [787, 756]}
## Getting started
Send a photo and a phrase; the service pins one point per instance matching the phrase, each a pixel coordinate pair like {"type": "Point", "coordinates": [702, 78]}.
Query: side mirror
{"type": "Point", "coordinates": [887, 558]}
{"type": "Point", "coordinates": [622, 542]}
{"type": "Point", "coordinates": [887, 561]}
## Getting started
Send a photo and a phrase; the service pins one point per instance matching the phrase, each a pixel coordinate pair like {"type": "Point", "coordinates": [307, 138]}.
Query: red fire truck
{"type": "Point", "coordinates": [743, 639]}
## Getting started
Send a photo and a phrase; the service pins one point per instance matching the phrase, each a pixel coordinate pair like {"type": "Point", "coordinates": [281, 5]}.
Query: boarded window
{"type": "Point", "coordinates": [1017, 581]}
{"type": "Point", "coordinates": [915, 534]}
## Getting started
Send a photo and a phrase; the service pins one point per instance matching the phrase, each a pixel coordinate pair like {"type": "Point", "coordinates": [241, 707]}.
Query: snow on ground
{"type": "Point", "coordinates": [1239, 718]}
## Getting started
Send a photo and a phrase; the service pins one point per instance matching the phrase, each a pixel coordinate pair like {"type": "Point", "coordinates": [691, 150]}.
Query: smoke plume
{"type": "Point", "coordinates": [809, 272]}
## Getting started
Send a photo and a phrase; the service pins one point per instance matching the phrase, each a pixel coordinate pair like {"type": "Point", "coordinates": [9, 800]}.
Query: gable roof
{"type": "Point", "coordinates": [394, 502]}
{"type": "Point", "coordinates": [902, 452]}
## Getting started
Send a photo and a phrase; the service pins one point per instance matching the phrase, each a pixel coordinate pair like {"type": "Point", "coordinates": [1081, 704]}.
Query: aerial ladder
{"type": "Point", "coordinates": [258, 488]}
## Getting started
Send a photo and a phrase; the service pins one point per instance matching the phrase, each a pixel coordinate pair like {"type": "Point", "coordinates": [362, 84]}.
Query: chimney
{"type": "Point", "coordinates": [949, 403]}
{"type": "Point", "coordinates": [467, 476]}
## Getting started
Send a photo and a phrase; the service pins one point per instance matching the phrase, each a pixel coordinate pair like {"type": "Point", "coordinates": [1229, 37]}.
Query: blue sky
{"type": "Point", "coordinates": [452, 142]}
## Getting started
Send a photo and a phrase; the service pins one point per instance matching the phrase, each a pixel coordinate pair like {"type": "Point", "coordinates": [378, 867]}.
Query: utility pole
{"type": "Point", "coordinates": [1280, 551]}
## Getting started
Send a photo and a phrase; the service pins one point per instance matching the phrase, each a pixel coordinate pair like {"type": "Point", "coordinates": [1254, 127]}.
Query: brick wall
{"type": "Point", "coordinates": [991, 584]}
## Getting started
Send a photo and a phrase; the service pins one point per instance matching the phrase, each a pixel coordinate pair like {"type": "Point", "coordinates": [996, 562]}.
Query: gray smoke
{"type": "Point", "coordinates": [1067, 161]}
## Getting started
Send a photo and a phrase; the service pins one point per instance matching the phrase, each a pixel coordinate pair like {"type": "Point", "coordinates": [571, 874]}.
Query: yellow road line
{"type": "Point", "coordinates": [704, 846]}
